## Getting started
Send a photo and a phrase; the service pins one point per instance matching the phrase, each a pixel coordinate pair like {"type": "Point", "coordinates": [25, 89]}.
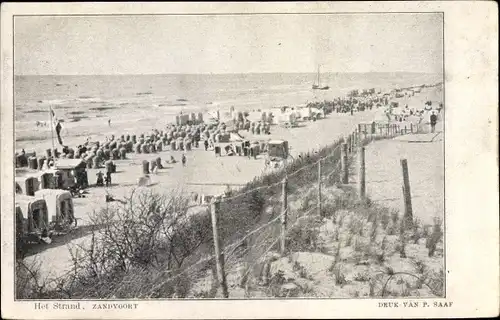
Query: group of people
{"type": "Point", "coordinates": [100, 180]}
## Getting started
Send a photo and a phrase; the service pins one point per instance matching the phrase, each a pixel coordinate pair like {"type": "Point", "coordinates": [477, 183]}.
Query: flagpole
{"type": "Point", "coordinates": [52, 133]}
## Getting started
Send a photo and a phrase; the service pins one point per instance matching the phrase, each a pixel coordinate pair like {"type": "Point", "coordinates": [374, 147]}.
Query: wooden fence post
{"type": "Point", "coordinates": [319, 189]}
{"type": "Point", "coordinates": [408, 211]}
{"type": "Point", "coordinates": [219, 258]}
{"type": "Point", "coordinates": [284, 213]}
{"type": "Point", "coordinates": [361, 173]}
{"type": "Point", "coordinates": [344, 164]}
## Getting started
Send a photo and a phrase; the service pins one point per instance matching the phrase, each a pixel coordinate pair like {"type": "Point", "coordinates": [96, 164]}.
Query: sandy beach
{"type": "Point", "coordinates": [204, 173]}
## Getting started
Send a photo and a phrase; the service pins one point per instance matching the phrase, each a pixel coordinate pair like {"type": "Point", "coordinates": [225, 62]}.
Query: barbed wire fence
{"type": "Point", "coordinates": [270, 216]}
{"type": "Point", "coordinates": [269, 233]}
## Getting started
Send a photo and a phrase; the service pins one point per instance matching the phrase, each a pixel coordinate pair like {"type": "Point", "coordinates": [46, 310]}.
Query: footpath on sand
{"type": "Point", "coordinates": [384, 177]}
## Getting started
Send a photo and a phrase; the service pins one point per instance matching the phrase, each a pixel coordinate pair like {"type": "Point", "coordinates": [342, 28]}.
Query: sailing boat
{"type": "Point", "coordinates": [318, 85]}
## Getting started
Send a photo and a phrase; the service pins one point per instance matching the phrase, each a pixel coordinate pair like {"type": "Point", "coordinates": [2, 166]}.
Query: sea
{"type": "Point", "coordinates": [129, 100]}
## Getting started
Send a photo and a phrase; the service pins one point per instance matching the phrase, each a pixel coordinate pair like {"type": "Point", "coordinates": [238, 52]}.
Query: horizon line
{"type": "Point", "coordinates": [212, 73]}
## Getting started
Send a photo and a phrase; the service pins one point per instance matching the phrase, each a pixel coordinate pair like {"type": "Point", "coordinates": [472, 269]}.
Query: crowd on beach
{"type": "Point", "coordinates": [190, 131]}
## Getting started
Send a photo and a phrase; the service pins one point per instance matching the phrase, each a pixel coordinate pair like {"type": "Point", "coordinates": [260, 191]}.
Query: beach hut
{"type": "Point", "coordinates": [145, 167]}
{"type": "Point", "coordinates": [32, 215]}
{"type": "Point", "coordinates": [41, 162]}
{"type": "Point", "coordinates": [137, 148]}
{"type": "Point", "coordinates": [59, 206]}
{"type": "Point", "coordinates": [73, 172]}
{"type": "Point", "coordinates": [21, 160]}
{"type": "Point", "coordinates": [107, 154]}
{"type": "Point", "coordinates": [277, 149]}
{"type": "Point", "coordinates": [159, 145]}
{"type": "Point", "coordinates": [129, 146]}
{"type": "Point", "coordinates": [152, 165]}
{"type": "Point", "coordinates": [263, 116]}
{"type": "Point", "coordinates": [179, 144]}
{"type": "Point", "coordinates": [46, 179]}
{"type": "Point", "coordinates": [217, 151]}
{"type": "Point", "coordinates": [32, 163]}
{"type": "Point", "coordinates": [123, 153]}
{"type": "Point", "coordinates": [224, 137]}
{"type": "Point", "coordinates": [27, 185]}
{"type": "Point", "coordinates": [288, 119]}
{"type": "Point", "coordinates": [89, 161]}
{"type": "Point", "coordinates": [96, 162]}
{"type": "Point", "coordinates": [158, 163]}
{"type": "Point", "coordinates": [110, 166]}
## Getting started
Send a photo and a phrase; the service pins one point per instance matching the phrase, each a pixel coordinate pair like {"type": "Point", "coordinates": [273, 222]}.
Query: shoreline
{"type": "Point", "coordinates": [134, 120]}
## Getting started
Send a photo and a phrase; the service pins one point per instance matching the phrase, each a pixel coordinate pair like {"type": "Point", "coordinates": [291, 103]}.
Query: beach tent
{"type": "Point", "coordinates": [303, 113]}
{"type": "Point", "coordinates": [27, 185]}
{"type": "Point", "coordinates": [46, 179]}
{"type": "Point", "coordinates": [59, 205]}
{"type": "Point", "coordinates": [288, 119]}
{"type": "Point", "coordinates": [34, 215]}
{"type": "Point", "coordinates": [70, 170]}
{"type": "Point", "coordinates": [234, 136]}
{"type": "Point", "coordinates": [277, 149]}
{"type": "Point", "coordinates": [318, 112]}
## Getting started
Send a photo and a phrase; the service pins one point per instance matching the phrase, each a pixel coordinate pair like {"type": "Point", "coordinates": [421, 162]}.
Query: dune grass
{"type": "Point", "coordinates": [153, 268]}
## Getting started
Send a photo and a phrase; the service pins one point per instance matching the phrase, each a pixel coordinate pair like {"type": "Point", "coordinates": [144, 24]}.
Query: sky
{"type": "Point", "coordinates": [228, 44]}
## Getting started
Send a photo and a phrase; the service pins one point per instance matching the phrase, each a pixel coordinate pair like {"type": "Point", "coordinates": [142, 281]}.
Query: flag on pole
{"type": "Point", "coordinates": [57, 125]}
{"type": "Point", "coordinates": [58, 131]}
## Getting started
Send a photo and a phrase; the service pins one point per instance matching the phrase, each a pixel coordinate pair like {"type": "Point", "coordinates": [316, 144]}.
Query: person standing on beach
{"type": "Point", "coordinates": [108, 178]}
{"type": "Point", "coordinates": [433, 122]}
{"type": "Point", "coordinates": [100, 179]}
{"type": "Point", "coordinates": [205, 143]}
{"type": "Point", "coordinates": [184, 160]}
{"type": "Point", "coordinates": [109, 122]}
